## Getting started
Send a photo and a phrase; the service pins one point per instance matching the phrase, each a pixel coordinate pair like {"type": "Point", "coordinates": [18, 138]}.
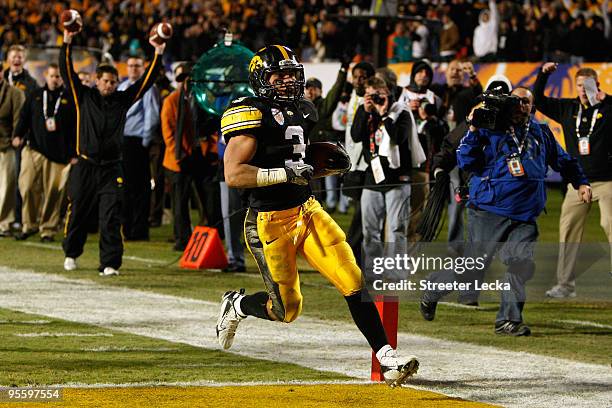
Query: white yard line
{"type": "Point", "coordinates": [25, 321]}
{"type": "Point", "coordinates": [585, 323]}
{"type": "Point", "coordinates": [55, 247]}
{"type": "Point", "coordinates": [458, 369]}
{"type": "Point", "coordinates": [47, 334]}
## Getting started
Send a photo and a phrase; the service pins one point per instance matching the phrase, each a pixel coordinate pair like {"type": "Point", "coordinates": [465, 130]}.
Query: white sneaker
{"type": "Point", "coordinates": [560, 292]}
{"type": "Point", "coordinates": [396, 370]}
{"type": "Point", "coordinates": [228, 320]}
{"type": "Point", "coordinates": [108, 271]}
{"type": "Point", "coordinates": [70, 264]}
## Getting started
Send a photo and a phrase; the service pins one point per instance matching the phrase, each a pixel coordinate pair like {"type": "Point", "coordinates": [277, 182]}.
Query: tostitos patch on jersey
{"type": "Point", "coordinates": [240, 118]}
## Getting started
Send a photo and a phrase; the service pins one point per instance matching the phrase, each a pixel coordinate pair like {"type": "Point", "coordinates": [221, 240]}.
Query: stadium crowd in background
{"type": "Point", "coordinates": [320, 30]}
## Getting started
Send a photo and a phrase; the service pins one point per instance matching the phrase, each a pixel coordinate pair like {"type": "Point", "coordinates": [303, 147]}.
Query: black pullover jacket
{"type": "Point", "coordinates": [100, 119]}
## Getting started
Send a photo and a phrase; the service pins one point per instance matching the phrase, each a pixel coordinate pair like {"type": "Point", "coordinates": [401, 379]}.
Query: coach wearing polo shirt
{"type": "Point", "coordinates": [587, 128]}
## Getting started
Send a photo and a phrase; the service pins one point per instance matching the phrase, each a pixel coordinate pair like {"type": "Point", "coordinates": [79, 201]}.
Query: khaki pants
{"type": "Point", "coordinates": [418, 196]}
{"type": "Point", "coordinates": [571, 228]}
{"type": "Point", "coordinates": [41, 183]}
{"type": "Point", "coordinates": [7, 188]}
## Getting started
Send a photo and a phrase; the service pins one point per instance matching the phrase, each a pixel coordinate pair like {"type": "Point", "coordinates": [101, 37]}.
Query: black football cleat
{"type": "Point", "coordinates": [428, 310]}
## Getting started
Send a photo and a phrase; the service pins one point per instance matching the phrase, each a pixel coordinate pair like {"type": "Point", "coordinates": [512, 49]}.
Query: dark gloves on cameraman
{"type": "Point", "coordinates": [299, 173]}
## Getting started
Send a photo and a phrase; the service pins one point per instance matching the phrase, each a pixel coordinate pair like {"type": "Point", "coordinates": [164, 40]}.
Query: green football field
{"type": "Point", "coordinates": [38, 349]}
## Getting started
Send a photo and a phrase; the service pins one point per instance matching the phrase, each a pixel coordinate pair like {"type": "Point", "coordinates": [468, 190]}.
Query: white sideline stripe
{"type": "Point", "coordinates": [209, 384]}
{"type": "Point", "coordinates": [45, 246]}
{"type": "Point", "coordinates": [460, 306]}
{"type": "Point", "coordinates": [25, 321]}
{"type": "Point", "coordinates": [126, 348]}
{"type": "Point", "coordinates": [149, 260]}
{"type": "Point", "coordinates": [468, 371]}
{"type": "Point", "coordinates": [46, 334]}
{"type": "Point", "coordinates": [585, 323]}
{"type": "Point", "coordinates": [130, 257]}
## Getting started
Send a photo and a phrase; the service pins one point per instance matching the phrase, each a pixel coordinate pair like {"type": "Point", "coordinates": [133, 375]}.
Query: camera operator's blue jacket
{"type": "Point", "coordinates": [484, 153]}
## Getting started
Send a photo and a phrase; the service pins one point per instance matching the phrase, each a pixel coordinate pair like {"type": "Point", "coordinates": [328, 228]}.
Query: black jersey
{"type": "Point", "coordinates": [280, 130]}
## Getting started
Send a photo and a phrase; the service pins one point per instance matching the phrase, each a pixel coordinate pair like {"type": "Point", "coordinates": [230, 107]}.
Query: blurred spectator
{"type": "Point", "coordinates": [320, 30]}
{"type": "Point", "coordinates": [432, 129]}
{"type": "Point", "coordinates": [16, 75]}
{"type": "Point", "coordinates": [361, 72]}
{"type": "Point", "coordinates": [399, 45]}
{"type": "Point", "coordinates": [449, 38]}
{"type": "Point", "coordinates": [142, 121]}
{"type": "Point", "coordinates": [187, 159]}
{"type": "Point", "coordinates": [419, 35]}
{"type": "Point", "coordinates": [156, 158]}
{"type": "Point", "coordinates": [485, 35]}
{"type": "Point", "coordinates": [416, 93]}
{"type": "Point", "coordinates": [323, 130]}
{"type": "Point", "coordinates": [11, 100]}
{"type": "Point", "coordinates": [578, 38]}
{"type": "Point", "coordinates": [46, 125]}
{"type": "Point", "coordinates": [456, 97]}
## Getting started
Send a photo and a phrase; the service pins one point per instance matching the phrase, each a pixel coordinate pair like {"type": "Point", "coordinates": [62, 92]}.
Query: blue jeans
{"type": "Point", "coordinates": [333, 195]}
{"type": "Point", "coordinates": [513, 241]}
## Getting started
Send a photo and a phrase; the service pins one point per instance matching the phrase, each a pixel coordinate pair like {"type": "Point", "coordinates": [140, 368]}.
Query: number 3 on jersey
{"type": "Point", "coordinates": [296, 135]}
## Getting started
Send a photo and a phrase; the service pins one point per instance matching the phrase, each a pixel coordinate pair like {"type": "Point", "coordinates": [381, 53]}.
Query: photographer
{"type": "Point", "coordinates": [384, 129]}
{"type": "Point", "coordinates": [509, 161]}
{"type": "Point", "coordinates": [587, 128]}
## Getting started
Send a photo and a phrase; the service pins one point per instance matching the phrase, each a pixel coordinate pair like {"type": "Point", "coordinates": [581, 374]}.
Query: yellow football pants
{"type": "Point", "coordinates": [274, 238]}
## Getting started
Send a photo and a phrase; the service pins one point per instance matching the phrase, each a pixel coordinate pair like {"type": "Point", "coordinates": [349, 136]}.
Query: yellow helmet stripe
{"type": "Point", "coordinates": [283, 51]}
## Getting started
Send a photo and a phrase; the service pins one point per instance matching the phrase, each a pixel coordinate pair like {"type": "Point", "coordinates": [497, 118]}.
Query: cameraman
{"type": "Point", "coordinates": [384, 129]}
{"type": "Point", "coordinates": [507, 193]}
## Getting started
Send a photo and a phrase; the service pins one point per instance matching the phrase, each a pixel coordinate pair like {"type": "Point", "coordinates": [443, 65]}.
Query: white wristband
{"type": "Point", "coordinates": [267, 177]}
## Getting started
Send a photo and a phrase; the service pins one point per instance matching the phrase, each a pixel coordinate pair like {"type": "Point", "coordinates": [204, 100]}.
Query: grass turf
{"type": "Point", "coordinates": [551, 337]}
{"type": "Point", "coordinates": [78, 353]}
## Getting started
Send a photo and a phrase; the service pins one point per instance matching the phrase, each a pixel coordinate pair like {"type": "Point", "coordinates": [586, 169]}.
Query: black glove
{"type": "Point", "coordinates": [299, 174]}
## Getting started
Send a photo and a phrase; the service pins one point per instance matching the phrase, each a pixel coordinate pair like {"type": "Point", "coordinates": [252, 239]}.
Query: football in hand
{"type": "Point", "coordinates": [71, 21]}
{"type": "Point", "coordinates": [160, 33]}
{"type": "Point", "coordinates": [327, 159]}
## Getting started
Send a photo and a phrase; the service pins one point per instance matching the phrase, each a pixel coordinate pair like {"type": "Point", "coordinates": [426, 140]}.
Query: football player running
{"type": "Point", "coordinates": [265, 152]}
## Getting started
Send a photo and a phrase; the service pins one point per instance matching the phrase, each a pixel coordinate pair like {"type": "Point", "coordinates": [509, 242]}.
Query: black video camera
{"type": "Point", "coordinates": [496, 111]}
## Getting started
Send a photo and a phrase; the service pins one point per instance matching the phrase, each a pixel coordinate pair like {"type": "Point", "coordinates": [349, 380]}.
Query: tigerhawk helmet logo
{"type": "Point", "coordinates": [256, 63]}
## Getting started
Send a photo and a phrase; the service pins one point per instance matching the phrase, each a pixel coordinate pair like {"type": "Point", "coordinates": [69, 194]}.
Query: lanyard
{"type": "Point", "coordinates": [522, 144]}
{"type": "Point", "coordinates": [57, 104]}
{"type": "Point", "coordinates": [372, 129]}
{"type": "Point", "coordinates": [10, 78]}
{"type": "Point", "coordinates": [579, 118]}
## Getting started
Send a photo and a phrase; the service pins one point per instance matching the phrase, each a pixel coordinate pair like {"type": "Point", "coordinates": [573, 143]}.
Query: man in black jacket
{"type": "Point", "coordinates": [384, 129]}
{"type": "Point", "coordinates": [46, 124]}
{"type": "Point", "coordinates": [97, 176]}
{"type": "Point", "coordinates": [587, 129]}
